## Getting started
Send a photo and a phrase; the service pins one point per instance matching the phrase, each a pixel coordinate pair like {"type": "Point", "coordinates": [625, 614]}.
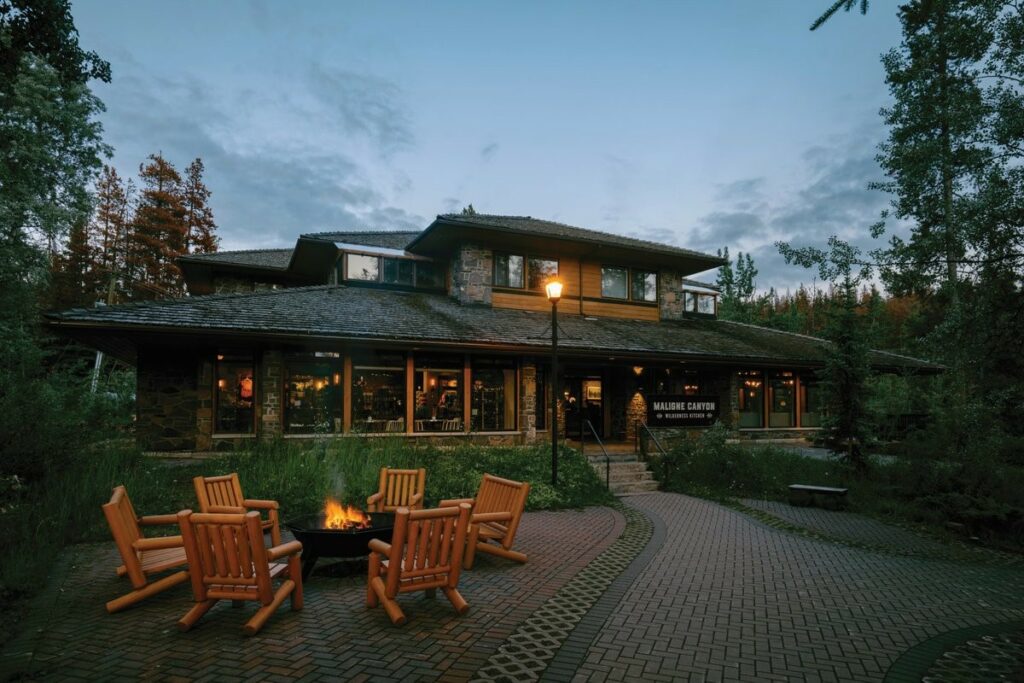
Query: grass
{"type": "Point", "coordinates": [985, 498]}
{"type": "Point", "coordinates": [36, 522]}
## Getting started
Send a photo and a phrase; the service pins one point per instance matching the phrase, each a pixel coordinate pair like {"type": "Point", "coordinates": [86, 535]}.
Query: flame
{"type": "Point", "coordinates": [338, 516]}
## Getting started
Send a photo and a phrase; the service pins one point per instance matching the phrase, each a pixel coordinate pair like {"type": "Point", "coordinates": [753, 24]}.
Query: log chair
{"type": "Point", "coordinates": [398, 488]}
{"type": "Point", "coordinates": [223, 494]}
{"type": "Point", "coordinates": [141, 556]}
{"type": "Point", "coordinates": [497, 509]}
{"type": "Point", "coordinates": [425, 554]}
{"type": "Point", "coordinates": [229, 561]}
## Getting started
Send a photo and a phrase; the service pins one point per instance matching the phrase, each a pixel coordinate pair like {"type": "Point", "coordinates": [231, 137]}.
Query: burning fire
{"type": "Point", "coordinates": [338, 516]}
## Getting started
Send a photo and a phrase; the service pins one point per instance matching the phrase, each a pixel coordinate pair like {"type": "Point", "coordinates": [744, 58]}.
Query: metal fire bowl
{"type": "Point", "coordinates": [318, 541]}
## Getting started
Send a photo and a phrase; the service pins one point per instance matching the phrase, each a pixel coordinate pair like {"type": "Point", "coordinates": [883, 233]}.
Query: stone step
{"type": "Point", "coordinates": [620, 466]}
{"type": "Point", "coordinates": [634, 487]}
{"type": "Point", "coordinates": [596, 457]}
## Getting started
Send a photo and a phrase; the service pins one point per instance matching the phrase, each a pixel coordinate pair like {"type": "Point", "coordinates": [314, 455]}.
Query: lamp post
{"type": "Point", "coordinates": [554, 292]}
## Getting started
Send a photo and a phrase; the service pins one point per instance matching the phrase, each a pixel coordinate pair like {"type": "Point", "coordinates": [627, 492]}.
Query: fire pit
{"type": "Point", "coordinates": [339, 531]}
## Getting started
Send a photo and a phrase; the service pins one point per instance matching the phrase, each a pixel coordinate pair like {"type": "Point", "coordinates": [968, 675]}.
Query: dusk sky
{"type": "Point", "coordinates": [700, 124]}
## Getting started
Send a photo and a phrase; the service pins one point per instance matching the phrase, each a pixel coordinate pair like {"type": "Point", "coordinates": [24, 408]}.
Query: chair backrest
{"type": "Point", "coordinates": [502, 495]}
{"type": "Point", "coordinates": [399, 486]}
{"type": "Point", "coordinates": [124, 526]}
{"type": "Point", "coordinates": [221, 491]}
{"type": "Point", "coordinates": [452, 425]}
{"type": "Point", "coordinates": [395, 425]}
{"type": "Point", "coordinates": [226, 554]}
{"type": "Point", "coordinates": [427, 545]}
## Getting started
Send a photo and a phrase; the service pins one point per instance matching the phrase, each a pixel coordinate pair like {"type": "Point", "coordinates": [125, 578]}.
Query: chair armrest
{"type": "Point", "coordinates": [374, 498]}
{"type": "Point", "coordinates": [490, 517]}
{"type": "Point", "coordinates": [158, 543]}
{"type": "Point", "coordinates": [416, 499]}
{"type": "Point", "coordinates": [284, 550]}
{"type": "Point", "coordinates": [151, 520]}
{"type": "Point", "coordinates": [455, 502]}
{"type": "Point", "coordinates": [379, 546]}
{"type": "Point", "coordinates": [225, 510]}
{"type": "Point", "coordinates": [261, 504]}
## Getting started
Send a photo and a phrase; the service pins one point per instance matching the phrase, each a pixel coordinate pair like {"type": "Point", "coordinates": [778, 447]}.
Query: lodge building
{"type": "Point", "coordinates": [446, 333]}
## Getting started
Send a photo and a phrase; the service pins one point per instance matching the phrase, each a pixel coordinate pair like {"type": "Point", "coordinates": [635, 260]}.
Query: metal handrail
{"type": "Point", "coordinates": [607, 458]}
{"type": "Point", "coordinates": [650, 434]}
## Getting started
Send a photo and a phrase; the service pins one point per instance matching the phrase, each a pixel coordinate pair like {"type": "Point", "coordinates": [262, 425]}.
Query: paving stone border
{"type": "Point", "coordinates": [548, 638]}
{"type": "Point", "coordinates": [975, 653]}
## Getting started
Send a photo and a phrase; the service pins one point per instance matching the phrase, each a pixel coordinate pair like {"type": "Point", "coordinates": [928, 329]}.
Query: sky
{"type": "Point", "coordinates": [699, 124]}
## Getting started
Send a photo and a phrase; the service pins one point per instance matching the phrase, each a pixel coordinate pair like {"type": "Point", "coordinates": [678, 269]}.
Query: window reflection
{"type": "Point", "coordinates": [493, 405]}
{"type": "Point", "coordinates": [378, 393]}
{"type": "Point", "coordinates": [312, 393]}
{"type": "Point", "coordinates": [235, 394]}
{"type": "Point", "coordinates": [751, 399]}
{"type": "Point", "coordinates": [438, 394]}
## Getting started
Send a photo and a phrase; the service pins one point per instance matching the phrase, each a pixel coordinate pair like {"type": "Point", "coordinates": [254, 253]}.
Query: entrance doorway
{"type": "Point", "coordinates": [583, 399]}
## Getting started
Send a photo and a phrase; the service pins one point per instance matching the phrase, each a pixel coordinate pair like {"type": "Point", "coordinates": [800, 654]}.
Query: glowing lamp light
{"type": "Point", "coordinates": [554, 291]}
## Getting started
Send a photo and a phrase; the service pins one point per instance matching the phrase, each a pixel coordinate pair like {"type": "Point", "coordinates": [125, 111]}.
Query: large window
{"type": "Point", "coordinates": [378, 393]}
{"type": "Point", "coordinates": [362, 267]}
{"type": "Point", "coordinates": [540, 271]}
{"type": "Point", "coordinates": [402, 272]}
{"type": "Point", "coordinates": [696, 302]}
{"type": "Point", "coordinates": [782, 400]}
{"type": "Point", "coordinates": [810, 402]}
{"type": "Point", "coordinates": [235, 395]}
{"type": "Point", "coordinates": [751, 399]}
{"type": "Point", "coordinates": [508, 270]}
{"type": "Point", "coordinates": [614, 282]}
{"type": "Point", "coordinates": [644, 286]}
{"type": "Point", "coordinates": [312, 393]}
{"type": "Point", "coordinates": [493, 399]}
{"type": "Point", "coordinates": [675, 381]}
{"type": "Point", "coordinates": [438, 394]}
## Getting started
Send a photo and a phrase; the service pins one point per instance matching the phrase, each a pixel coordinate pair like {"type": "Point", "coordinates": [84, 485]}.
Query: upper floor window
{"type": "Point", "coordinates": [508, 270]}
{"type": "Point", "coordinates": [618, 282]}
{"type": "Point", "coordinates": [393, 271]}
{"type": "Point", "coordinates": [697, 302]}
{"type": "Point", "coordinates": [515, 271]}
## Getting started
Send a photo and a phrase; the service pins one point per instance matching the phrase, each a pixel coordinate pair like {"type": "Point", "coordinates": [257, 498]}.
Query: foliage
{"type": "Point", "coordinates": [737, 286]}
{"type": "Point", "coordinates": [845, 5]}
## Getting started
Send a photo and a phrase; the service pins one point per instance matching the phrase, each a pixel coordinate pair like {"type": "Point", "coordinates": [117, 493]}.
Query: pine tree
{"type": "Point", "coordinates": [200, 228]}
{"type": "Point", "coordinates": [111, 234]}
{"type": "Point", "coordinates": [158, 231]}
{"type": "Point", "coordinates": [74, 279]}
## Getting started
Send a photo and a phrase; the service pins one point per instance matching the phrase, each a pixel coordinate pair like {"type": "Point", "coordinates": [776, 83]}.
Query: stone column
{"type": "Point", "coordinates": [723, 384]}
{"type": "Point", "coordinates": [204, 404]}
{"type": "Point", "coordinates": [528, 400]}
{"type": "Point", "coordinates": [271, 418]}
{"type": "Point", "coordinates": [471, 275]}
{"type": "Point", "coordinates": [670, 295]}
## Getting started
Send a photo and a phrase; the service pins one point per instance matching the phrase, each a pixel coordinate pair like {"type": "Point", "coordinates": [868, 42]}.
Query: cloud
{"type": "Point", "coordinates": [488, 151]}
{"type": "Point", "coordinates": [269, 178]}
{"type": "Point", "coordinates": [364, 105]}
{"type": "Point", "coordinates": [833, 199]}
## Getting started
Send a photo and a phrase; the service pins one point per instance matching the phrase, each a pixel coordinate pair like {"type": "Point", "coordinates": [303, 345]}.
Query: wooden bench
{"type": "Point", "coordinates": [804, 495]}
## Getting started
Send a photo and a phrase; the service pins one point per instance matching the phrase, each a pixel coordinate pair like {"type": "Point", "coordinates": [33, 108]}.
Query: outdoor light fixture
{"type": "Point", "coordinates": [638, 370]}
{"type": "Point", "coordinates": [554, 292]}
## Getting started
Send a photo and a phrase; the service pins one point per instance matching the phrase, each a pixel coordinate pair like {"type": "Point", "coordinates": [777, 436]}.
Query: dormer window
{"type": "Point", "coordinates": [508, 270]}
{"type": "Point", "coordinates": [698, 302]}
{"type": "Point", "coordinates": [397, 272]}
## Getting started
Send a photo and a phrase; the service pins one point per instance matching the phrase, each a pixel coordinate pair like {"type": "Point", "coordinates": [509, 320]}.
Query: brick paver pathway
{"type": "Point", "coordinates": [71, 637]}
{"type": "Point", "coordinates": [714, 594]}
{"type": "Point", "coordinates": [729, 598]}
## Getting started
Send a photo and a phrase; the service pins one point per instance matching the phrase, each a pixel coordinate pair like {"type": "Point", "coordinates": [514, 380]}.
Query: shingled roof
{"type": "Point", "coordinates": [389, 239]}
{"type": "Point", "coordinates": [354, 313]}
{"type": "Point", "coordinates": [254, 258]}
{"type": "Point", "coordinates": [528, 225]}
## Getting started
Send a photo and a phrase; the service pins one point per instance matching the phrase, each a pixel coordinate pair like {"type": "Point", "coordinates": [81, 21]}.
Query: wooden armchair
{"type": "Point", "coordinates": [425, 554]}
{"type": "Point", "coordinates": [398, 488]}
{"type": "Point", "coordinates": [497, 509]}
{"type": "Point", "coordinates": [223, 494]}
{"type": "Point", "coordinates": [228, 560]}
{"type": "Point", "coordinates": [141, 556]}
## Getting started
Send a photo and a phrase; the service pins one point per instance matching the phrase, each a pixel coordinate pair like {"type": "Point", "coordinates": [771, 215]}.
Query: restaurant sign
{"type": "Point", "coordinates": [681, 411]}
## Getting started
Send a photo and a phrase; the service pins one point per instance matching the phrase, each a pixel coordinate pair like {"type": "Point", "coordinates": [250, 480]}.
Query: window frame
{"type": "Point", "coordinates": [526, 257]}
{"type": "Point", "coordinates": [630, 294]}
{"type": "Point", "coordinates": [439, 268]}
{"type": "Point", "coordinates": [628, 276]}
{"type": "Point", "coordinates": [224, 357]}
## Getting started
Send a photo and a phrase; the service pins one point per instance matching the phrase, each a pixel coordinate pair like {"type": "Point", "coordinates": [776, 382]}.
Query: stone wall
{"type": "Point", "coordinates": [204, 404]}
{"type": "Point", "coordinates": [670, 295]}
{"type": "Point", "coordinates": [471, 275]}
{"type": "Point", "coordinates": [271, 385]}
{"type": "Point", "coordinates": [166, 401]}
